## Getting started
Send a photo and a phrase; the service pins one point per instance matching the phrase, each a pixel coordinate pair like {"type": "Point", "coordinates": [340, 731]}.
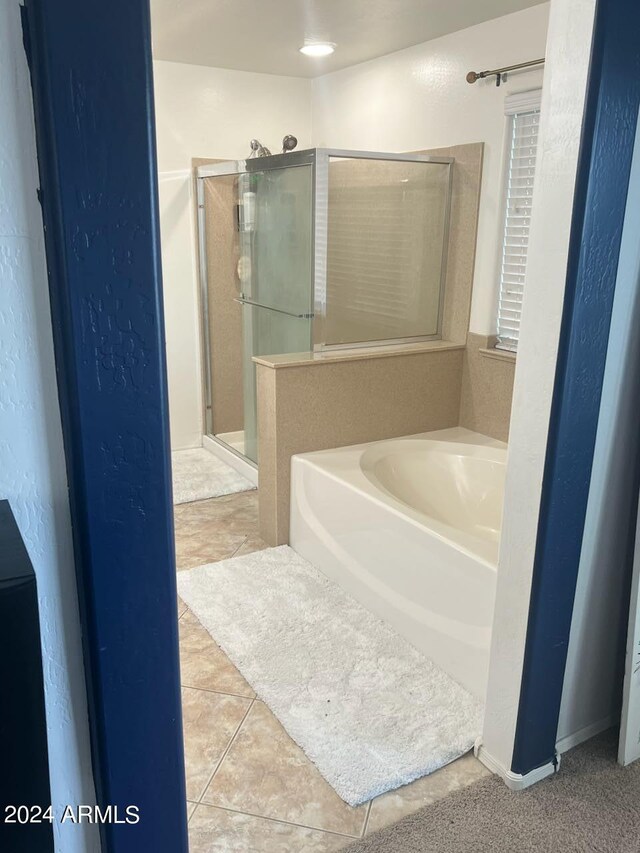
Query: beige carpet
{"type": "Point", "coordinates": [591, 806]}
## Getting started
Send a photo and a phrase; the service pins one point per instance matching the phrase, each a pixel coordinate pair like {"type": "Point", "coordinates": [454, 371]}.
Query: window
{"type": "Point", "coordinates": [523, 111]}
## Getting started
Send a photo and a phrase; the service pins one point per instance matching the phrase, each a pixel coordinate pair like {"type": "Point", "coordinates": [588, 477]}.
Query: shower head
{"type": "Point", "coordinates": [258, 149]}
{"type": "Point", "coordinates": [289, 143]}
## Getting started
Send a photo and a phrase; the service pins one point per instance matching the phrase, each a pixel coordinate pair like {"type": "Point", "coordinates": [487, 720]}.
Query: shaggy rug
{"type": "Point", "coordinates": [198, 474]}
{"type": "Point", "coordinates": [368, 709]}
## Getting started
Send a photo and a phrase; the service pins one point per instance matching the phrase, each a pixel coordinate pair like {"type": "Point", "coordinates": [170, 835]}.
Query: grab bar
{"type": "Point", "coordinates": [271, 308]}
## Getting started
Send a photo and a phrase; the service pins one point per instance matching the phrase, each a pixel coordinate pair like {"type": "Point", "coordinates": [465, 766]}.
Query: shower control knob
{"type": "Point", "coordinates": [289, 143]}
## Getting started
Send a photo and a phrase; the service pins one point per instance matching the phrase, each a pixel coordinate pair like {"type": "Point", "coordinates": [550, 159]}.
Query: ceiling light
{"type": "Point", "coordinates": [318, 49]}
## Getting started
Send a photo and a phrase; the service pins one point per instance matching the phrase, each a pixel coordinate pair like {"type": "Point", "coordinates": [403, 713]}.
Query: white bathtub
{"type": "Point", "coordinates": [410, 527]}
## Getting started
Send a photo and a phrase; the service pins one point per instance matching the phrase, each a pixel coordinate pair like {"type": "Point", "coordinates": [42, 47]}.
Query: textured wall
{"type": "Point", "coordinates": [32, 467]}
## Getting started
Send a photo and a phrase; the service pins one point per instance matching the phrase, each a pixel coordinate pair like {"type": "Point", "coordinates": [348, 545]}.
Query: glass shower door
{"type": "Point", "coordinates": [258, 241]}
{"type": "Point", "coordinates": [276, 239]}
{"type": "Point", "coordinates": [386, 249]}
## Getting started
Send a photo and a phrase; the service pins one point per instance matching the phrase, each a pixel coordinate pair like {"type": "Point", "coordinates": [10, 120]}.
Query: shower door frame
{"type": "Point", "coordinates": [228, 168]}
{"type": "Point", "coordinates": [318, 159]}
{"type": "Point", "coordinates": [321, 227]}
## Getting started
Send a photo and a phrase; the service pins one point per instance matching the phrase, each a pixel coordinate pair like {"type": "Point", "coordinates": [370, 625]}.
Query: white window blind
{"type": "Point", "coordinates": [523, 113]}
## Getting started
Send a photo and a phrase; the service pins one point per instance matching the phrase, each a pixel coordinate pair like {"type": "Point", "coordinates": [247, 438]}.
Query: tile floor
{"type": "Point", "coordinates": [249, 787]}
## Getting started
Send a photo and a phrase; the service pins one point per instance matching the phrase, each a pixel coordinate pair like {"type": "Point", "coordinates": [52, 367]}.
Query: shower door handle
{"type": "Point", "coordinates": [243, 301]}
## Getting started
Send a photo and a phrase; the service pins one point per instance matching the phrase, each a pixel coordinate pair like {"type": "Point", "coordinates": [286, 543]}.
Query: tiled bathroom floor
{"type": "Point", "coordinates": [249, 787]}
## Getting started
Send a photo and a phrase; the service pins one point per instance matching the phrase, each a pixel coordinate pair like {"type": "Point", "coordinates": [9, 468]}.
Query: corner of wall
{"type": "Point", "coordinates": [487, 388]}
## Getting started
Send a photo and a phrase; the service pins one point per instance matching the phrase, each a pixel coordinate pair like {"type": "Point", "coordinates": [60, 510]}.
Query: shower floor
{"type": "Point", "coordinates": [233, 439]}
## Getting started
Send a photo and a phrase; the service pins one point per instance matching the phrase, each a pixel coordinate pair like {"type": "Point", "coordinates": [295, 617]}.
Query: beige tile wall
{"type": "Point", "coordinates": [336, 404]}
{"type": "Point", "coordinates": [225, 315]}
{"type": "Point", "coordinates": [465, 204]}
{"type": "Point", "coordinates": [487, 388]}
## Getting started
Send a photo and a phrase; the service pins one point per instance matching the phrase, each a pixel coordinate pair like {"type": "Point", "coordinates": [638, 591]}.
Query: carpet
{"type": "Point", "coordinates": [368, 709]}
{"type": "Point", "coordinates": [198, 475]}
{"type": "Point", "coordinates": [592, 805]}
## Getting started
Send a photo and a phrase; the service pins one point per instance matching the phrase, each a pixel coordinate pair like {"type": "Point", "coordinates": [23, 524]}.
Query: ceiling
{"type": "Point", "coordinates": [264, 35]}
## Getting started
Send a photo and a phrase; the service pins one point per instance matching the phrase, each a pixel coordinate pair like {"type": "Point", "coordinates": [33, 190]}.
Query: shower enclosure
{"type": "Point", "coordinates": [312, 251]}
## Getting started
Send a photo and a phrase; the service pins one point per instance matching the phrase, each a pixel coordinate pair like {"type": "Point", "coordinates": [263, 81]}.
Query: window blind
{"type": "Point", "coordinates": [523, 145]}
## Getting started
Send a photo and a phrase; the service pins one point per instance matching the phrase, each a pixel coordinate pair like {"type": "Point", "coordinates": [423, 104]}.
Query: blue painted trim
{"type": "Point", "coordinates": [613, 96]}
{"type": "Point", "coordinates": [93, 98]}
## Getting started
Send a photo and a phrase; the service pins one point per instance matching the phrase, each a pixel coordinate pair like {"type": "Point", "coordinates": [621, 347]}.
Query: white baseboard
{"type": "Point", "coordinates": [232, 459]}
{"type": "Point", "coordinates": [569, 741]}
{"type": "Point", "coordinates": [514, 781]}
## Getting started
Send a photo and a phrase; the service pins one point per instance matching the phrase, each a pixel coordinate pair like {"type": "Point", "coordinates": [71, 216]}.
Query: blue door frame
{"type": "Point", "coordinates": [608, 138]}
{"type": "Point", "coordinates": [93, 97]}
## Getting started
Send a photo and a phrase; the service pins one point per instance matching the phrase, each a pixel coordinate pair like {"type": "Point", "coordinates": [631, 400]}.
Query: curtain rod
{"type": "Point", "coordinates": [472, 76]}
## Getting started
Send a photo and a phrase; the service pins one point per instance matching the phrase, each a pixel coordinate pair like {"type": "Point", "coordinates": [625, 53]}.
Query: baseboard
{"type": "Point", "coordinates": [514, 781]}
{"type": "Point", "coordinates": [569, 741]}
{"type": "Point", "coordinates": [247, 469]}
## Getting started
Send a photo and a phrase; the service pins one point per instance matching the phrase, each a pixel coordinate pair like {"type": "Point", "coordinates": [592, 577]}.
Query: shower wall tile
{"type": "Point", "coordinates": [487, 389]}
{"type": "Point", "coordinates": [269, 440]}
{"type": "Point", "coordinates": [461, 256]}
{"type": "Point", "coordinates": [336, 404]}
{"type": "Point", "coordinates": [225, 315]}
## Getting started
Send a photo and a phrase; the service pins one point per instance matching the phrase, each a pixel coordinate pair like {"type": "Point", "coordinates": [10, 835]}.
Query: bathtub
{"type": "Point", "coordinates": [411, 527]}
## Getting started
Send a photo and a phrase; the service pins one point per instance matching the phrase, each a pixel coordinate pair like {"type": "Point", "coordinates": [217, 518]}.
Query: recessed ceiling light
{"type": "Point", "coordinates": [317, 49]}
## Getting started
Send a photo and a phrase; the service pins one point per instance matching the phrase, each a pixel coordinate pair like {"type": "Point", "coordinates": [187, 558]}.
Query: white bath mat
{"type": "Point", "coordinates": [198, 474]}
{"type": "Point", "coordinates": [368, 709]}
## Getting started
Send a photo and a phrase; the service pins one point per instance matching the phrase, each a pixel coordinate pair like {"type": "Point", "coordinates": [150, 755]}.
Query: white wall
{"type": "Point", "coordinates": [591, 688]}
{"type": "Point", "coordinates": [419, 98]}
{"type": "Point", "coordinates": [32, 467]}
{"type": "Point", "coordinates": [181, 308]}
{"type": "Point", "coordinates": [207, 112]}
{"type": "Point", "coordinates": [214, 112]}
{"type": "Point", "coordinates": [568, 51]}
